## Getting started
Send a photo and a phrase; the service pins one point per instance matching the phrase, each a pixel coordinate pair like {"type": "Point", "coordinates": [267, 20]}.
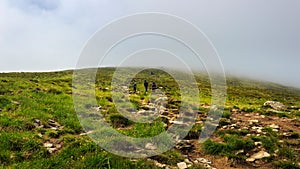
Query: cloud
{"type": "Point", "coordinates": [253, 38]}
{"type": "Point", "coordinates": [51, 36]}
{"type": "Point", "coordinates": [34, 6]}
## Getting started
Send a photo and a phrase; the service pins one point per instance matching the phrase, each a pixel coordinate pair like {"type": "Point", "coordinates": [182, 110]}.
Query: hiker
{"type": "Point", "coordinates": [146, 85]}
{"type": "Point", "coordinates": [153, 86]}
{"type": "Point", "coordinates": [134, 87]}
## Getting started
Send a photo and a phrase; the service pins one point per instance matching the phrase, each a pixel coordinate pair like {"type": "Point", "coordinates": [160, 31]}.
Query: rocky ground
{"type": "Point", "coordinates": [253, 124]}
{"type": "Point", "coordinates": [39, 126]}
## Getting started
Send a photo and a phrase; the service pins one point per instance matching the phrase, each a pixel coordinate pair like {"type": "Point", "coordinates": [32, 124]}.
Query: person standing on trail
{"type": "Point", "coordinates": [153, 87]}
{"type": "Point", "coordinates": [146, 85]}
{"type": "Point", "coordinates": [134, 87]}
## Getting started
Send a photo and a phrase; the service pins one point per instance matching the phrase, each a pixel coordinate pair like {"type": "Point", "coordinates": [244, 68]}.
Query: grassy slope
{"type": "Point", "coordinates": [21, 146]}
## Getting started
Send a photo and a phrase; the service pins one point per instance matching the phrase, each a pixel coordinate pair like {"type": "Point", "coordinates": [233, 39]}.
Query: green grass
{"type": "Point", "coordinates": [25, 97]}
{"type": "Point", "coordinates": [232, 143]}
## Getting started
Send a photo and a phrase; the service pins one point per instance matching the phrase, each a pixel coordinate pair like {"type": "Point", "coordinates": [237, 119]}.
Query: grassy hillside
{"type": "Point", "coordinates": [39, 127]}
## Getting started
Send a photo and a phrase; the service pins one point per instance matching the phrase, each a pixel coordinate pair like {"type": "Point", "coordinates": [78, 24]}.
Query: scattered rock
{"type": "Point", "coordinates": [177, 122]}
{"type": "Point", "coordinates": [257, 156]}
{"type": "Point", "coordinates": [161, 100]}
{"type": "Point", "coordinates": [97, 108]}
{"type": "Point", "coordinates": [287, 134]}
{"type": "Point", "coordinates": [257, 129]}
{"type": "Point", "coordinates": [54, 128]}
{"type": "Point", "coordinates": [275, 105]}
{"type": "Point", "coordinates": [203, 161]}
{"type": "Point", "coordinates": [105, 89]}
{"type": "Point", "coordinates": [52, 123]}
{"type": "Point", "coordinates": [182, 165]}
{"type": "Point", "coordinates": [51, 150]}
{"type": "Point", "coordinates": [52, 145]}
{"type": "Point", "coordinates": [86, 133]}
{"type": "Point", "coordinates": [187, 161]}
{"type": "Point", "coordinates": [150, 146]}
{"type": "Point", "coordinates": [15, 102]}
{"type": "Point", "coordinates": [253, 121]}
{"type": "Point", "coordinates": [185, 146]}
{"type": "Point", "coordinates": [48, 145]}
{"type": "Point", "coordinates": [58, 146]}
{"type": "Point", "coordinates": [224, 127]}
{"type": "Point", "coordinates": [160, 165]}
{"type": "Point", "coordinates": [235, 110]}
{"type": "Point", "coordinates": [37, 123]}
{"type": "Point", "coordinates": [257, 143]}
{"type": "Point", "coordinates": [274, 126]}
{"type": "Point", "coordinates": [40, 135]}
{"type": "Point", "coordinates": [293, 107]}
{"type": "Point", "coordinates": [245, 128]}
{"type": "Point", "coordinates": [239, 152]}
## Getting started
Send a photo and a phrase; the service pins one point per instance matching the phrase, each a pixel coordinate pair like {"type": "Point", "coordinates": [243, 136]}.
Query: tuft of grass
{"type": "Point", "coordinates": [286, 164]}
{"type": "Point", "coordinates": [295, 135]}
{"type": "Point", "coordinates": [213, 148]}
{"type": "Point", "coordinates": [234, 132]}
{"type": "Point", "coordinates": [172, 157]}
{"type": "Point", "coordinates": [194, 133]}
{"type": "Point", "coordinates": [140, 130]}
{"type": "Point", "coordinates": [232, 144]}
{"type": "Point", "coordinates": [287, 153]}
{"type": "Point", "coordinates": [118, 120]}
{"type": "Point", "coordinates": [226, 114]}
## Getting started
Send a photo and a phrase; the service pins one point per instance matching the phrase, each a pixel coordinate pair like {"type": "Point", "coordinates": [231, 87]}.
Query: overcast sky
{"type": "Point", "coordinates": [254, 38]}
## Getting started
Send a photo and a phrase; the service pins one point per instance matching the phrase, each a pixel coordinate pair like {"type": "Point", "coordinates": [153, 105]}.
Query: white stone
{"type": "Point", "coordinates": [275, 105]}
{"type": "Point", "coordinates": [274, 126]}
{"type": "Point", "coordinates": [89, 132]}
{"type": "Point", "coordinates": [150, 146]}
{"type": "Point", "coordinates": [258, 143]}
{"type": "Point", "coordinates": [207, 166]}
{"type": "Point", "coordinates": [48, 145]}
{"type": "Point", "coordinates": [250, 159]}
{"type": "Point", "coordinates": [54, 128]}
{"type": "Point", "coordinates": [204, 161]}
{"type": "Point", "coordinates": [245, 128]}
{"type": "Point", "coordinates": [177, 122]}
{"type": "Point", "coordinates": [51, 150]}
{"type": "Point", "coordinates": [224, 127]}
{"type": "Point", "coordinates": [239, 152]}
{"type": "Point", "coordinates": [253, 121]}
{"type": "Point", "coordinates": [257, 156]}
{"type": "Point", "coordinates": [182, 165]}
{"type": "Point", "coordinates": [160, 165]}
{"type": "Point", "coordinates": [187, 161]}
